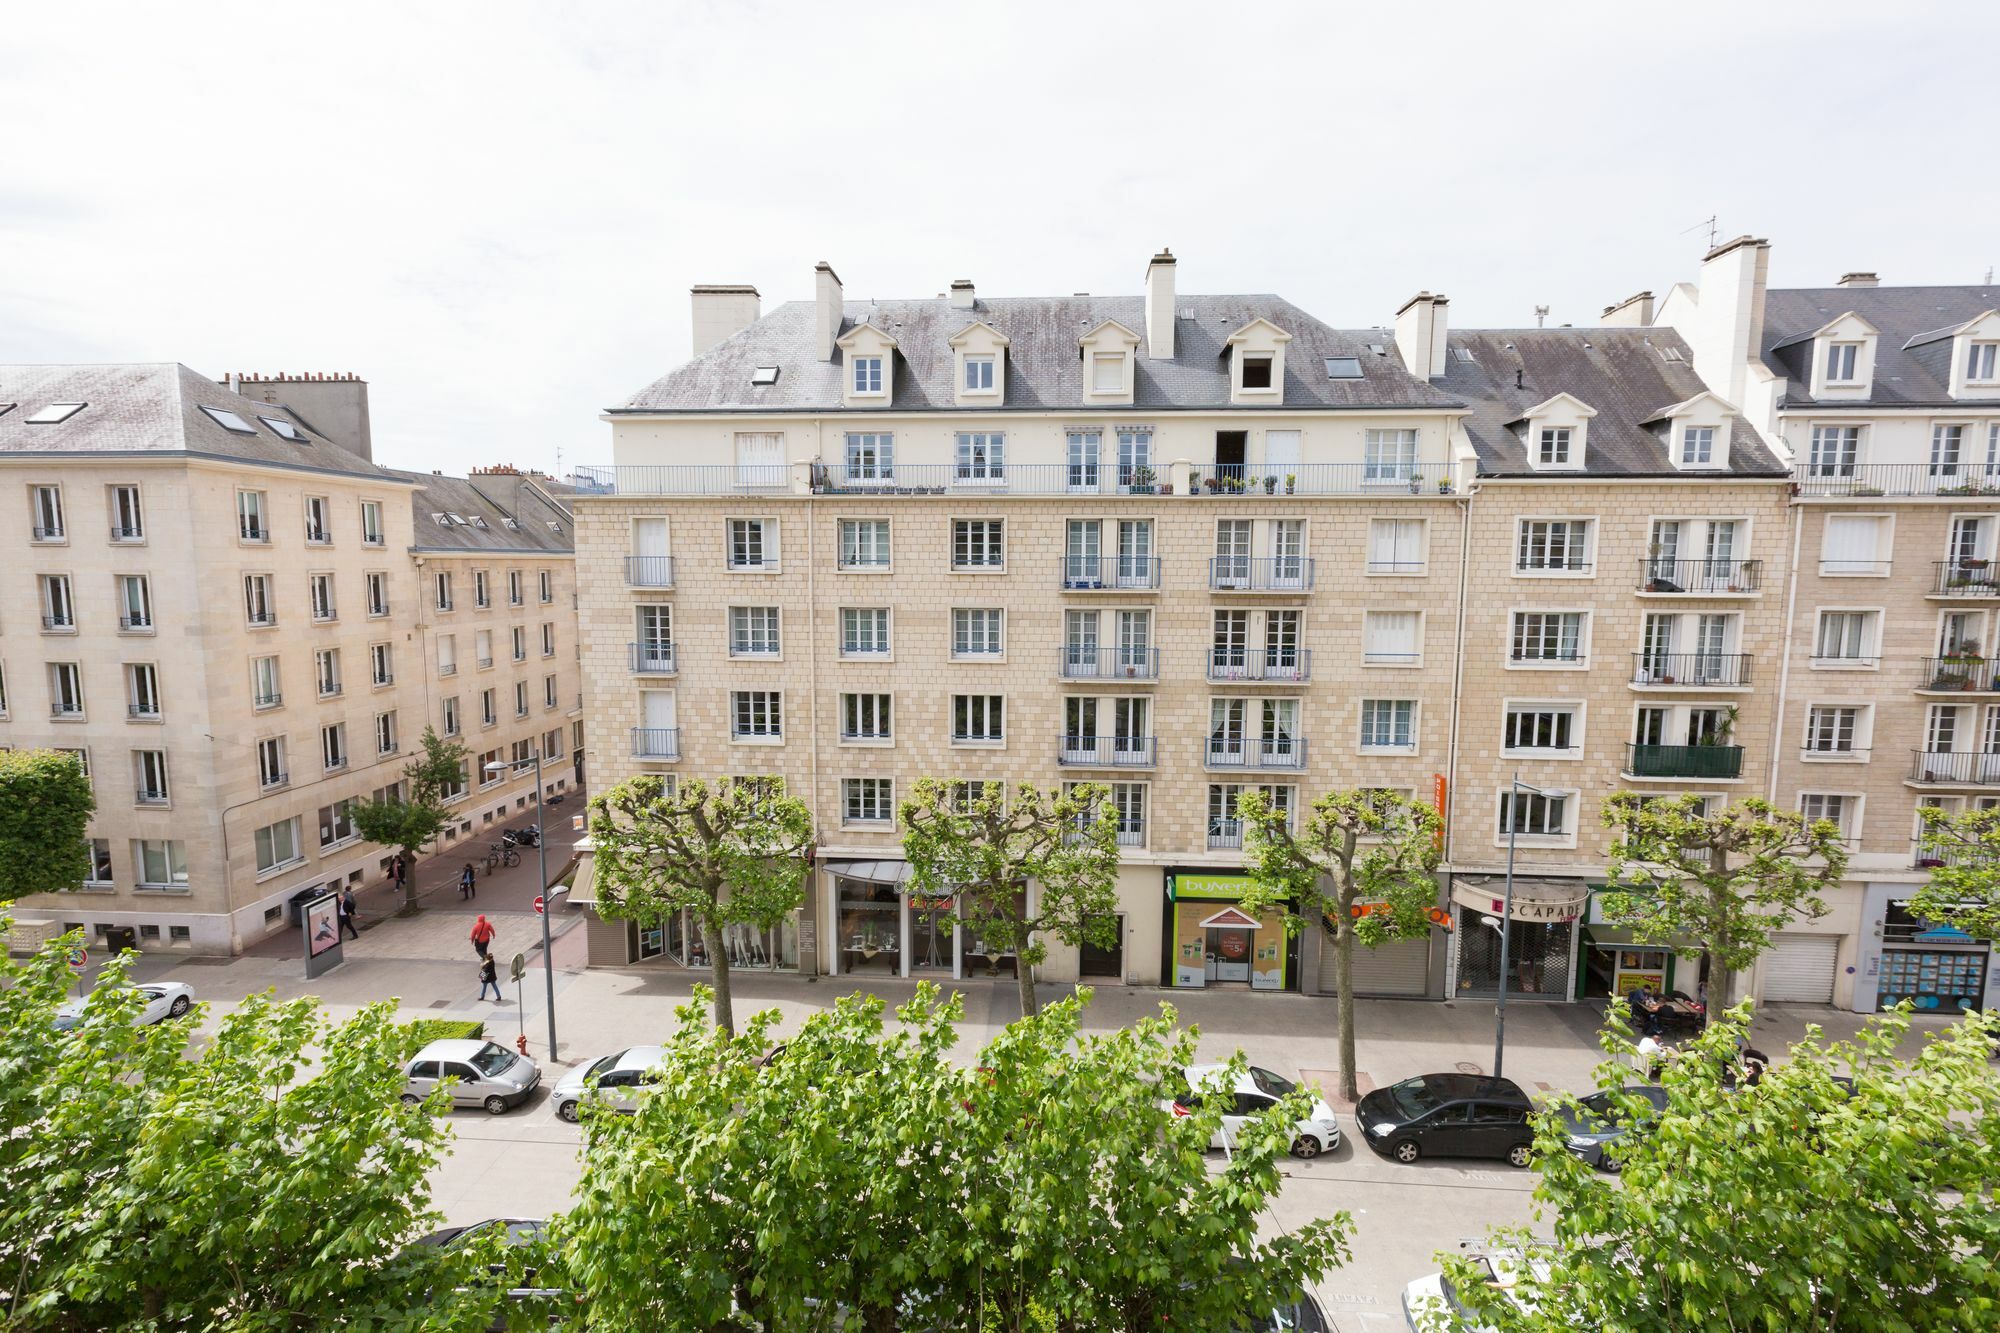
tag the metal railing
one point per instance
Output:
(262, 619)
(1106, 751)
(1090, 478)
(53, 623)
(267, 700)
(142, 710)
(1290, 666)
(1225, 834)
(1132, 837)
(655, 658)
(1929, 856)
(447, 668)
(270, 780)
(135, 622)
(649, 571)
(1082, 662)
(1865, 480)
(1691, 670)
(485, 663)
(1971, 767)
(1242, 573)
(656, 742)
(1110, 573)
(48, 534)
(1965, 578)
(121, 533)
(1971, 675)
(1659, 574)
(1251, 752)
(385, 678)
(1684, 761)
(149, 796)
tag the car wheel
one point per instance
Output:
(179, 1007)
(1521, 1154)
(1305, 1147)
(1406, 1151)
(1610, 1165)
(567, 1110)
(496, 1105)
(411, 1099)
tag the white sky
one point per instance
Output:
(493, 212)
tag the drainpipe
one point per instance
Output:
(1785, 655)
(812, 670)
(1457, 665)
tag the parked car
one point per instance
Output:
(1448, 1115)
(1433, 1305)
(619, 1078)
(488, 1074)
(1257, 1091)
(1299, 1316)
(1597, 1122)
(163, 1000)
(513, 1232)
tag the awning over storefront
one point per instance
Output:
(875, 872)
(1534, 899)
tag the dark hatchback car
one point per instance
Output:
(1448, 1115)
(1599, 1122)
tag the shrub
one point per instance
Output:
(421, 1032)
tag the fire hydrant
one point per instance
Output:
(521, 1043)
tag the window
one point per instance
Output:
(978, 374)
(264, 692)
(867, 374)
(1542, 728)
(142, 690)
(552, 744)
(442, 600)
(320, 589)
(977, 717)
(1107, 372)
(978, 543)
(65, 689)
(547, 589)
(549, 638)
(753, 631)
(278, 845)
(1553, 545)
(250, 525)
(127, 524)
(1833, 451)
(548, 691)
(1396, 546)
(333, 746)
(82, 758)
(46, 502)
(1947, 443)
(336, 824)
(752, 544)
(489, 712)
(520, 698)
(378, 593)
(1135, 457)
(447, 654)
(519, 635)
(1256, 372)
(1343, 367)
(982, 456)
(482, 594)
(871, 456)
(864, 543)
(488, 776)
(372, 532)
(1698, 446)
(1855, 546)
(54, 414)
(1832, 729)
(864, 631)
(864, 717)
(1840, 361)
(454, 790)
(755, 715)
(976, 632)
(319, 530)
(867, 800)
(1128, 802)
(1388, 724)
(100, 862)
(1534, 814)
(162, 862)
(271, 761)
(764, 376)
(482, 647)
(514, 594)
(1838, 810)
(326, 670)
(1392, 638)
(149, 776)
(385, 733)
(1980, 359)
(3, 691)
(449, 716)
(58, 606)
(229, 421)
(1548, 636)
(1845, 637)
(1388, 455)
(1552, 446)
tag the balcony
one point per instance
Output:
(656, 742)
(1088, 662)
(649, 571)
(1225, 834)
(1275, 752)
(1707, 763)
(60, 624)
(49, 534)
(271, 700)
(1700, 578)
(1240, 573)
(1834, 481)
(485, 664)
(1132, 837)
(1960, 675)
(447, 668)
(1221, 480)
(121, 533)
(1965, 578)
(143, 712)
(134, 624)
(1691, 671)
(149, 796)
(1929, 856)
(652, 658)
(1279, 666)
(1110, 573)
(1964, 768)
(1105, 752)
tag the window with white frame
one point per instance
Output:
(864, 631)
(1107, 372)
(864, 717)
(1392, 638)
(1128, 802)
(149, 777)
(548, 638)
(753, 543)
(58, 603)
(871, 456)
(127, 520)
(1396, 546)
(100, 872)
(385, 732)
(520, 698)
(1846, 638)
(1534, 814)
(755, 715)
(271, 761)
(753, 631)
(1697, 446)
(1553, 545)
(978, 543)
(867, 374)
(519, 635)
(1553, 446)
(336, 824)
(47, 506)
(1388, 724)
(1135, 455)
(514, 593)
(546, 581)
(978, 374)
(1837, 729)
(982, 456)
(1548, 636)
(250, 523)
(867, 801)
(976, 632)
(1833, 451)
(978, 717)
(1841, 359)
(448, 715)
(82, 758)
(3, 689)
(259, 606)
(1543, 728)
(864, 543)
(135, 602)
(264, 691)
(319, 522)
(1836, 808)
(442, 601)
(1855, 546)
(1947, 449)
(65, 689)
(482, 589)
(1980, 361)
(320, 588)
(372, 531)
(326, 670)
(489, 710)
(333, 746)
(142, 689)
(278, 845)
(1388, 455)
(162, 862)
(378, 593)
(548, 691)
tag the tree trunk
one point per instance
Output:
(1343, 989)
(718, 972)
(1024, 978)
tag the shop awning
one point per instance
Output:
(1534, 899)
(876, 872)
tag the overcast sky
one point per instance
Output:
(493, 212)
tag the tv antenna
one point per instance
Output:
(1708, 222)
(1541, 315)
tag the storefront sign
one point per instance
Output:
(1438, 791)
(1211, 944)
(1546, 900)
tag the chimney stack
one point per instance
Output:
(1160, 306)
(1421, 330)
(1859, 280)
(1634, 312)
(826, 307)
(961, 294)
(720, 311)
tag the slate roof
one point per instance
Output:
(155, 408)
(489, 499)
(1911, 370)
(1044, 366)
(1618, 371)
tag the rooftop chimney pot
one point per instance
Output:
(962, 297)
(1860, 280)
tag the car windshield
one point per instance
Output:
(602, 1067)
(1298, 1317)
(1270, 1083)
(1450, 1289)
(491, 1059)
(1600, 1109)
(1413, 1097)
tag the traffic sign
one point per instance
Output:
(518, 968)
(540, 904)
(79, 956)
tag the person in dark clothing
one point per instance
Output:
(1645, 1011)
(347, 909)
(468, 882)
(489, 975)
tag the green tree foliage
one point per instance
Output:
(861, 1180)
(1964, 887)
(45, 807)
(1361, 867)
(1786, 1204)
(259, 1183)
(733, 852)
(408, 822)
(1726, 881)
(983, 845)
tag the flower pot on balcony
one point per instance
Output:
(1416, 485)
(1270, 485)
(1291, 483)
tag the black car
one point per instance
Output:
(1448, 1115)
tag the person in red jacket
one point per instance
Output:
(482, 934)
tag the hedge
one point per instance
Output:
(423, 1031)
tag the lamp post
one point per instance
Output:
(1507, 918)
(541, 879)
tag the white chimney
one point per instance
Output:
(720, 311)
(1160, 306)
(826, 307)
(1634, 312)
(1728, 329)
(1859, 280)
(1420, 334)
(961, 294)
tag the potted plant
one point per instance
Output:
(1445, 486)
(1271, 484)
(1142, 480)
(1416, 484)
(1194, 481)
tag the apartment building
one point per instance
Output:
(215, 605)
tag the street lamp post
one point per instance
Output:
(1507, 918)
(541, 879)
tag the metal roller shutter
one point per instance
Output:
(1400, 967)
(1800, 969)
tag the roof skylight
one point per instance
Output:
(764, 375)
(229, 421)
(1343, 367)
(5, 408)
(54, 412)
(286, 430)
(1462, 353)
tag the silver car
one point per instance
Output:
(161, 1000)
(619, 1076)
(488, 1074)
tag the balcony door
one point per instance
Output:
(1225, 730)
(1135, 550)
(1135, 641)
(1084, 447)
(1288, 553)
(1280, 738)
(1232, 553)
(1080, 730)
(660, 718)
(1129, 735)
(760, 458)
(1080, 641)
(1281, 643)
(1084, 544)
(1230, 644)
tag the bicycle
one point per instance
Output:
(501, 856)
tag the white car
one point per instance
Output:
(1431, 1304)
(163, 1000)
(1257, 1091)
(619, 1079)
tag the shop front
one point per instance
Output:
(1939, 969)
(674, 939)
(1543, 934)
(885, 927)
(1212, 941)
(1615, 963)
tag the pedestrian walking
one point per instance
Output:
(482, 934)
(489, 975)
(468, 879)
(346, 909)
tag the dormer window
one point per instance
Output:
(1552, 447)
(1109, 352)
(1107, 372)
(978, 374)
(1842, 359)
(1982, 361)
(1256, 372)
(1257, 363)
(1698, 446)
(870, 375)
(867, 374)
(1555, 434)
(1695, 433)
(981, 350)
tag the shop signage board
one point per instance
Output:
(1227, 945)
